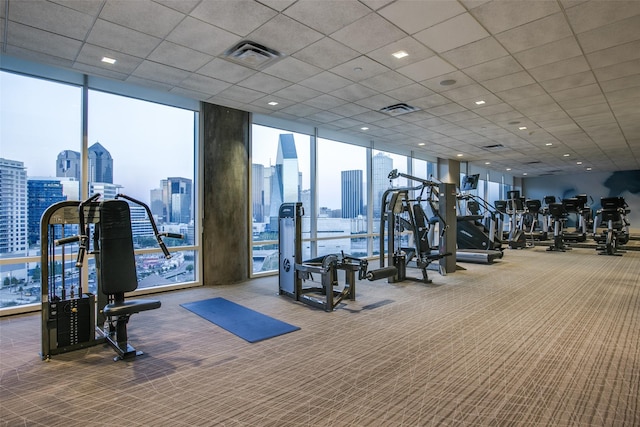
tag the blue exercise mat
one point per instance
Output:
(241, 321)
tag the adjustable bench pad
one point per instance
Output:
(130, 307)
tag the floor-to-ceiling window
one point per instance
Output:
(136, 147)
(40, 140)
(280, 173)
(146, 151)
(342, 222)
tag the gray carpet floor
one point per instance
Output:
(538, 338)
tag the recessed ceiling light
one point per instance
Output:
(400, 54)
(447, 82)
(578, 163)
(487, 163)
(588, 169)
(459, 155)
(508, 169)
(522, 128)
(549, 144)
(480, 102)
(421, 144)
(108, 60)
(364, 128)
(273, 103)
(524, 173)
(565, 155)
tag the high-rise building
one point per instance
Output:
(13, 206)
(100, 164)
(381, 165)
(156, 205)
(257, 192)
(285, 182)
(68, 164)
(351, 186)
(177, 196)
(41, 193)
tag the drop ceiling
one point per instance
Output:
(538, 87)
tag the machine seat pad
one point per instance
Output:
(130, 307)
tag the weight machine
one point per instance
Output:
(401, 213)
(296, 277)
(72, 316)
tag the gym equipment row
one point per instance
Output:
(525, 227)
(72, 317)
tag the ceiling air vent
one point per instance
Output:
(492, 147)
(252, 55)
(532, 162)
(398, 109)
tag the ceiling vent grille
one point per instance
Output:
(492, 147)
(534, 162)
(252, 55)
(398, 109)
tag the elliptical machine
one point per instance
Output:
(613, 214)
(558, 214)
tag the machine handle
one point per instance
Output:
(66, 240)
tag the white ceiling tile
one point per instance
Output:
(508, 82)
(224, 14)
(413, 16)
(360, 68)
(135, 15)
(416, 50)
(354, 92)
(559, 69)
(614, 55)
(386, 82)
(617, 71)
(548, 53)
(498, 16)
(610, 35)
(368, 33)
(297, 93)
(203, 37)
(492, 69)
(326, 102)
(325, 82)
(264, 83)
(271, 35)
(475, 53)
(178, 56)
(521, 92)
(426, 69)
(226, 71)
(291, 69)
(43, 41)
(51, 17)
(326, 53)
(204, 84)
(241, 94)
(536, 33)
(327, 16)
(453, 33)
(91, 55)
(570, 81)
(591, 15)
(122, 39)
(409, 92)
(160, 73)
(184, 6)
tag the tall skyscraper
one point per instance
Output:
(100, 164)
(285, 182)
(177, 196)
(381, 166)
(41, 193)
(257, 192)
(351, 185)
(13, 206)
(68, 164)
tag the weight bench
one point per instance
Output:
(115, 262)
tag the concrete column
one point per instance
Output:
(225, 223)
(449, 171)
